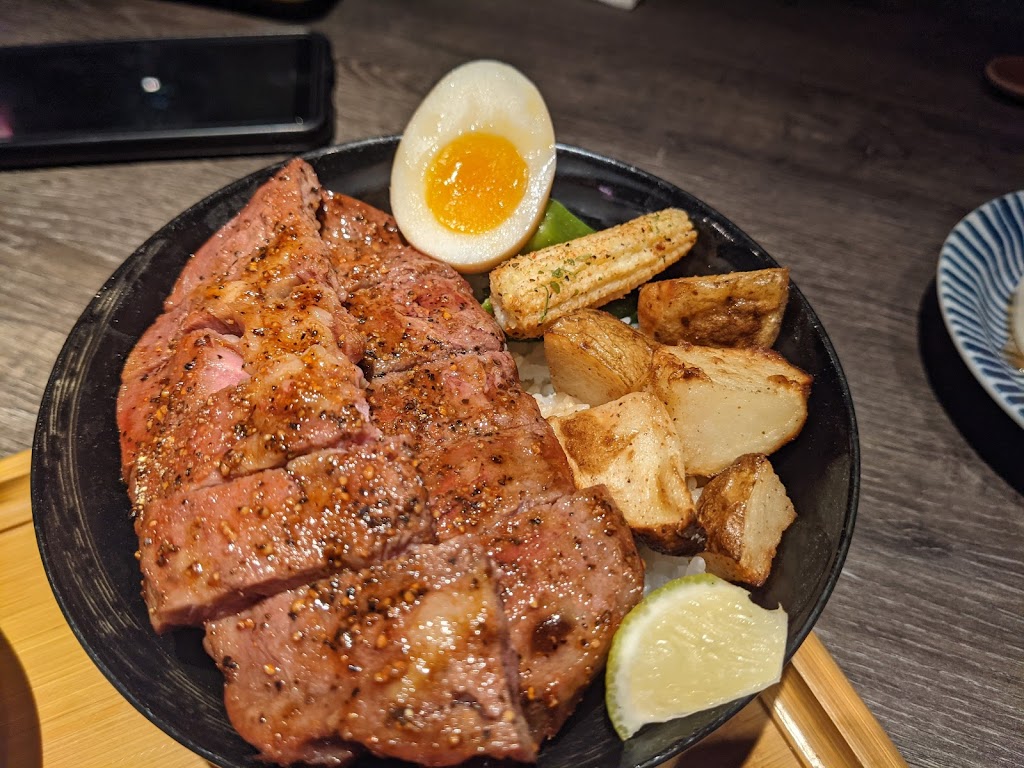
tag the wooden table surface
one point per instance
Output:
(847, 139)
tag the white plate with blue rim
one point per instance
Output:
(980, 266)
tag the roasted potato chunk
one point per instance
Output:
(728, 402)
(595, 357)
(744, 511)
(737, 309)
(628, 445)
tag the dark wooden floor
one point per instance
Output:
(846, 138)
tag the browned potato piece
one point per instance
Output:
(744, 511)
(739, 309)
(728, 402)
(595, 357)
(628, 446)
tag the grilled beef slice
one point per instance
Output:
(568, 572)
(566, 589)
(286, 203)
(420, 313)
(290, 406)
(201, 364)
(364, 241)
(279, 221)
(475, 482)
(212, 551)
(444, 400)
(284, 379)
(407, 659)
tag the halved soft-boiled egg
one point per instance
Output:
(474, 168)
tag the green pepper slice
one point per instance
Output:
(558, 225)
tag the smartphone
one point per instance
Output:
(161, 98)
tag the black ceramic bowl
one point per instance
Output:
(81, 509)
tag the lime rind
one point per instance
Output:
(694, 643)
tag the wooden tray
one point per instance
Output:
(57, 709)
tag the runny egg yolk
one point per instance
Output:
(475, 182)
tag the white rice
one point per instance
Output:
(696, 486)
(660, 569)
(536, 379)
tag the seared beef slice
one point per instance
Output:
(279, 222)
(408, 659)
(290, 406)
(363, 240)
(442, 401)
(569, 572)
(475, 482)
(286, 203)
(419, 312)
(211, 551)
(284, 381)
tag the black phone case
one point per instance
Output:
(191, 143)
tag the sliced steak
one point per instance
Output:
(288, 407)
(286, 316)
(569, 572)
(300, 403)
(419, 313)
(287, 203)
(317, 398)
(212, 551)
(152, 402)
(244, 311)
(363, 240)
(408, 659)
(451, 398)
(151, 351)
(475, 482)
(366, 246)
(261, 290)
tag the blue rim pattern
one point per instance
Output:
(980, 265)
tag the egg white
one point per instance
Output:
(481, 96)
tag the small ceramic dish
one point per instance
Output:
(980, 267)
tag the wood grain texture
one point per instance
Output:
(847, 139)
(57, 709)
(816, 710)
(14, 489)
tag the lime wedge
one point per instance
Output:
(695, 643)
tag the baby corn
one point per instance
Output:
(532, 290)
